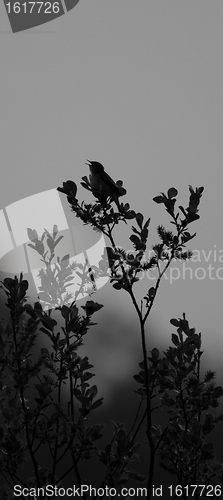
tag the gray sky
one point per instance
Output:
(137, 86)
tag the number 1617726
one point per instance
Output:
(33, 7)
(195, 490)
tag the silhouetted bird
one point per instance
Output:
(102, 184)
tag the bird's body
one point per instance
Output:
(102, 184)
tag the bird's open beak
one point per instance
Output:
(88, 163)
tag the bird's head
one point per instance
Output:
(95, 166)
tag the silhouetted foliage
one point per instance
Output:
(35, 412)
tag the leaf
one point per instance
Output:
(32, 234)
(138, 244)
(55, 231)
(139, 219)
(96, 404)
(174, 322)
(151, 292)
(85, 179)
(126, 206)
(130, 215)
(121, 435)
(122, 190)
(65, 311)
(48, 322)
(91, 307)
(208, 424)
(155, 354)
(147, 223)
(87, 376)
(50, 243)
(39, 247)
(24, 286)
(86, 186)
(95, 431)
(8, 283)
(69, 188)
(58, 240)
(93, 391)
(172, 192)
(183, 210)
(175, 339)
(158, 199)
(135, 239)
(218, 392)
(31, 246)
(139, 379)
(65, 257)
(117, 286)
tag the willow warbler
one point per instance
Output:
(102, 184)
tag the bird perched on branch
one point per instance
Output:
(102, 184)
